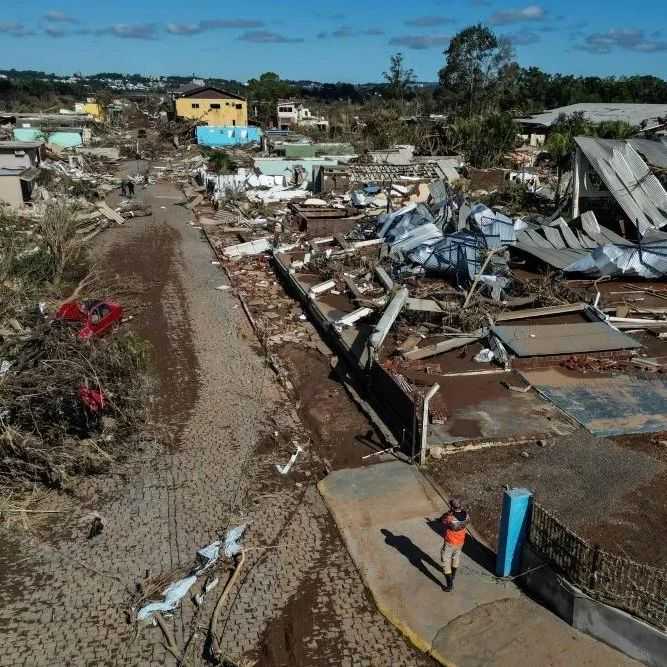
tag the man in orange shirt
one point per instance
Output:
(455, 522)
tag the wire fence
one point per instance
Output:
(620, 582)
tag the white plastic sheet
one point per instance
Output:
(172, 596)
(207, 556)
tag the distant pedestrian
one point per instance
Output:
(130, 189)
(123, 188)
(454, 523)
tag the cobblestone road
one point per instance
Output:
(299, 601)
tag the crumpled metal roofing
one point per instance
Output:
(496, 227)
(629, 180)
(611, 255)
(648, 259)
(653, 151)
(459, 252)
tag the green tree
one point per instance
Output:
(484, 140)
(264, 93)
(615, 129)
(399, 78)
(475, 59)
(559, 145)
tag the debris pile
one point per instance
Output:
(68, 408)
(417, 285)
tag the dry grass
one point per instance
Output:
(58, 230)
(33, 509)
(47, 434)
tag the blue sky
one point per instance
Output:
(326, 41)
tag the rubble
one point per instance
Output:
(407, 275)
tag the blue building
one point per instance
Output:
(223, 135)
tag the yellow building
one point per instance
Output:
(213, 106)
(93, 108)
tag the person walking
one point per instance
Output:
(130, 189)
(123, 188)
(454, 523)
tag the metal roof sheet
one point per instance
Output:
(597, 112)
(547, 339)
(629, 180)
(558, 258)
(654, 152)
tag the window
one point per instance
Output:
(234, 123)
(195, 106)
(239, 106)
(214, 106)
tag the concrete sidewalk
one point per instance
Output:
(388, 515)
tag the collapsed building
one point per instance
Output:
(465, 326)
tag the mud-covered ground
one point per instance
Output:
(610, 491)
(299, 600)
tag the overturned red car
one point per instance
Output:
(97, 317)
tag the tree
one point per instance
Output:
(399, 78)
(475, 58)
(615, 129)
(559, 145)
(484, 140)
(265, 92)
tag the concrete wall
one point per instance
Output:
(272, 166)
(62, 139)
(28, 134)
(210, 135)
(315, 150)
(10, 191)
(9, 160)
(65, 139)
(231, 112)
(607, 624)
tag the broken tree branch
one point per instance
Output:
(216, 651)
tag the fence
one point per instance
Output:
(620, 582)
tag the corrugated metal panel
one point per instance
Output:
(554, 237)
(586, 241)
(629, 181)
(548, 339)
(559, 259)
(570, 239)
(532, 237)
(655, 152)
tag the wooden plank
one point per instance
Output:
(354, 290)
(423, 305)
(439, 348)
(109, 213)
(342, 242)
(384, 278)
(542, 312)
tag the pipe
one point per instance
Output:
(427, 399)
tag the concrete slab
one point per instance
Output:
(388, 517)
(383, 512)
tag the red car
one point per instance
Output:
(97, 316)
